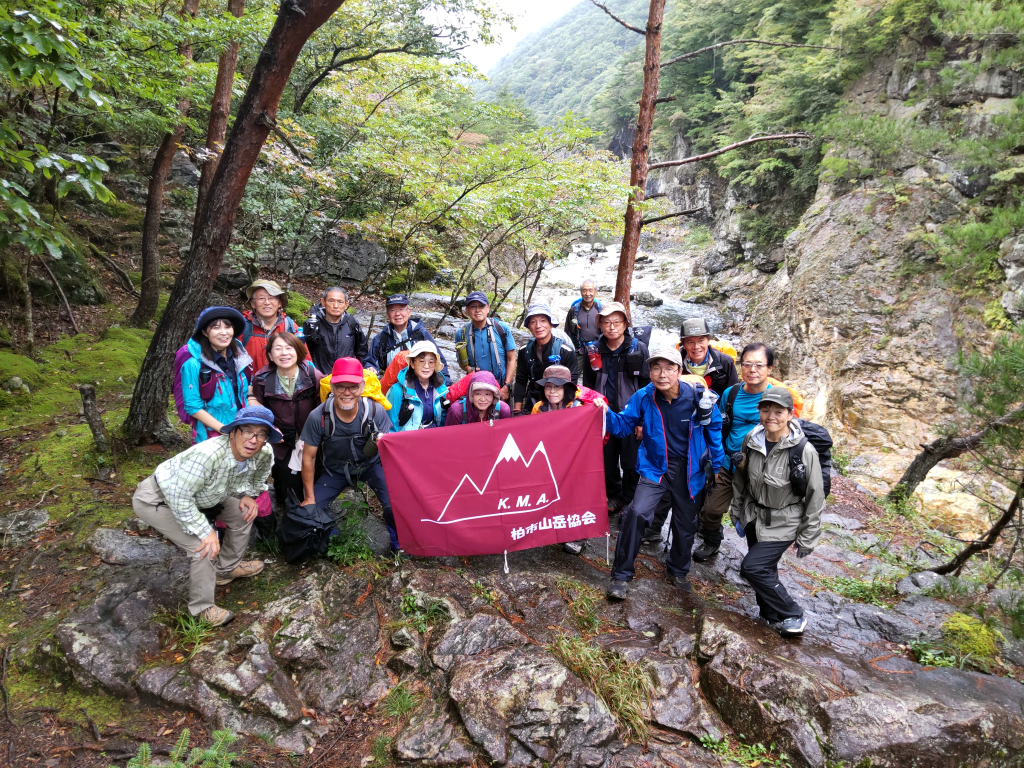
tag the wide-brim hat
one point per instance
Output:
(539, 309)
(210, 314)
(556, 374)
(421, 347)
(270, 286)
(695, 326)
(611, 308)
(257, 416)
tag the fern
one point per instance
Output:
(214, 756)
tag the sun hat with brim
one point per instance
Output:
(269, 286)
(671, 354)
(210, 314)
(347, 370)
(256, 416)
(556, 374)
(421, 347)
(611, 308)
(539, 309)
(779, 396)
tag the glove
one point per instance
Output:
(803, 551)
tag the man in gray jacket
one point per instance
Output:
(775, 507)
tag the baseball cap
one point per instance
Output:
(612, 307)
(667, 353)
(395, 299)
(477, 296)
(347, 370)
(539, 309)
(779, 396)
(695, 326)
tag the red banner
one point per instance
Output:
(483, 489)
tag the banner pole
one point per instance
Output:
(506, 561)
(607, 541)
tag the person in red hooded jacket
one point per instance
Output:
(266, 317)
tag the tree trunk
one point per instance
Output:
(641, 148)
(93, 418)
(296, 21)
(149, 290)
(220, 110)
(957, 563)
(26, 298)
(941, 449)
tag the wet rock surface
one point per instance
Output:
(118, 548)
(18, 528)
(471, 646)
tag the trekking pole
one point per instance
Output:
(607, 542)
(506, 561)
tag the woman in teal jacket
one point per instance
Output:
(417, 398)
(215, 379)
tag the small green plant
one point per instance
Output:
(750, 755)
(1014, 612)
(877, 592)
(381, 750)
(348, 545)
(485, 593)
(929, 656)
(841, 459)
(624, 686)
(970, 636)
(190, 632)
(214, 756)
(400, 701)
(423, 612)
(583, 602)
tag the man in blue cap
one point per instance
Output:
(489, 343)
(217, 479)
(400, 333)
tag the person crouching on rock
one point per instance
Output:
(777, 506)
(682, 440)
(481, 402)
(559, 390)
(217, 479)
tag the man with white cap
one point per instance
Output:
(536, 355)
(267, 301)
(617, 369)
(682, 435)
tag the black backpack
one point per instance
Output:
(305, 530)
(821, 441)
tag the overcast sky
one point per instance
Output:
(530, 15)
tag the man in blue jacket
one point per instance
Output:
(682, 440)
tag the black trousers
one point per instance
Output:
(760, 568)
(621, 451)
(638, 515)
(285, 480)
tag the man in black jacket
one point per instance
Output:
(331, 333)
(717, 369)
(621, 370)
(538, 353)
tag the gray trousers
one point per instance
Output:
(150, 507)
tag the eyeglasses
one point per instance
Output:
(753, 366)
(265, 299)
(613, 323)
(259, 437)
(347, 388)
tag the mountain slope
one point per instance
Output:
(562, 66)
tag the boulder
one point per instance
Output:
(646, 299)
(118, 548)
(434, 737)
(479, 634)
(523, 707)
(17, 528)
(183, 171)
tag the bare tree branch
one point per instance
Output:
(730, 148)
(652, 219)
(958, 562)
(627, 26)
(268, 121)
(751, 41)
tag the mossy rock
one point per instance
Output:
(25, 368)
(970, 636)
(298, 307)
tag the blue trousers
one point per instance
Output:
(639, 514)
(329, 487)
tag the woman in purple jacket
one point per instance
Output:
(481, 402)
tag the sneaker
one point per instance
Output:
(681, 582)
(574, 547)
(244, 570)
(706, 551)
(216, 617)
(792, 627)
(617, 590)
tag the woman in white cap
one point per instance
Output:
(417, 398)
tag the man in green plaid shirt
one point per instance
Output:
(217, 479)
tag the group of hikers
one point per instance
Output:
(688, 435)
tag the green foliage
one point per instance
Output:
(927, 655)
(766, 229)
(583, 601)
(298, 307)
(624, 686)
(876, 592)
(750, 755)
(214, 756)
(1014, 612)
(349, 545)
(400, 701)
(381, 750)
(423, 612)
(190, 632)
(970, 636)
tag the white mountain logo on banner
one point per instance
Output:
(525, 486)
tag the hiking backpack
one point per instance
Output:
(304, 531)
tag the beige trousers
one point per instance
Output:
(150, 507)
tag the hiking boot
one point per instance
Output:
(574, 547)
(792, 627)
(216, 617)
(616, 504)
(244, 570)
(711, 542)
(651, 536)
(617, 590)
(682, 583)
